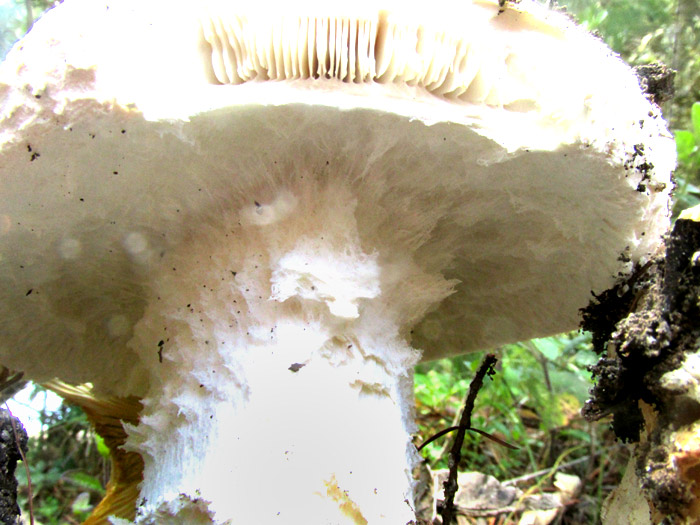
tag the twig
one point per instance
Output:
(494, 438)
(10, 385)
(450, 485)
(546, 471)
(487, 513)
(7, 380)
(24, 461)
(478, 431)
(545, 371)
(554, 468)
(434, 437)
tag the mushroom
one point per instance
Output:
(258, 220)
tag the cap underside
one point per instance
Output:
(521, 192)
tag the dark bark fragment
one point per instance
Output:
(657, 81)
(9, 455)
(644, 328)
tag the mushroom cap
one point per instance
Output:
(509, 152)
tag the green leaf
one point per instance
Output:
(685, 144)
(695, 118)
(81, 504)
(577, 434)
(85, 481)
(102, 448)
(549, 347)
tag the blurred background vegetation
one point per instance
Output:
(534, 400)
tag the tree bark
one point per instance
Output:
(647, 329)
(12, 436)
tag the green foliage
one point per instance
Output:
(630, 28)
(688, 147)
(102, 447)
(84, 481)
(67, 470)
(81, 506)
(538, 390)
(533, 402)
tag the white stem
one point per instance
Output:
(284, 394)
(328, 443)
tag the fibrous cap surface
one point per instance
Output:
(510, 153)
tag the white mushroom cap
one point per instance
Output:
(223, 184)
(192, 195)
(505, 152)
(514, 156)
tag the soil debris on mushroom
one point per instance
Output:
(647, 330)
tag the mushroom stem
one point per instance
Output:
(281, 390)
(329, 443)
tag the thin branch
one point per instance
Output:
(7, 380)
(10, 384)
(545, 371)
(472, 429)
(24, 461)
(556, 467)
(435, 437)
(451, 486)
(546, 471)
(487, 513)
(493, 438)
